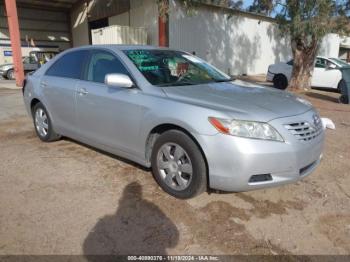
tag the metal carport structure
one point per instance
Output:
(14, 29)
(11, 7)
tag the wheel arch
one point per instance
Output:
(33, 102)
(160, 129)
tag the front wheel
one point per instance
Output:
(43, 124)
(178, 165)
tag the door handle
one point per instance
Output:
(82, 91)
(43, 84)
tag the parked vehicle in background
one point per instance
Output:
(30, 63)
(325, 74)
(339, 62)
(170, 110)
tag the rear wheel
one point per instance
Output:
(43, 125)
(178, 165)
(10, 74)
(280, 81)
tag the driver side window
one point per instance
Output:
(102, 63)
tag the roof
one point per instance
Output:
(120, 47)
(224, 4)
(57, 4)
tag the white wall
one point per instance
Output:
(121, 19)
(79, 25)
(236, 45)
(330, 46)
(143, 13)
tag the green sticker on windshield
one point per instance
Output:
(143, 59)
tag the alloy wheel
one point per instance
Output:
(174, 166)
(41, 122)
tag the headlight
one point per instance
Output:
(248, 129)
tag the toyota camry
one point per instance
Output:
(193, 125)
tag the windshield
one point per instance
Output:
(339, 62)
(167, 68)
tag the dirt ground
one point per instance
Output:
(66, 198)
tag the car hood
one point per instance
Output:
(241, 100)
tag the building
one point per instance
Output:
(237, 42)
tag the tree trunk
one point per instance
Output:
(303, 64)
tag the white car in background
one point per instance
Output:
(325, 75)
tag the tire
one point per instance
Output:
(43, 125)
(343, 90)
(10, 74)
(344, 99)
(340, 85)
(181, 171)
(280, 81)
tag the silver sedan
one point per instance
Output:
(192, 124)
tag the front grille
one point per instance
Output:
(304, 131)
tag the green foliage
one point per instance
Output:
(306, 20)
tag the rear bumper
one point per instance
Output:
(3, 73)
(232, 161)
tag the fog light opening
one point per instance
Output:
(260, 178)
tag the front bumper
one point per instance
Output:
(232, 161)
(269, 76)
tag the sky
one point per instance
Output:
(247, 3)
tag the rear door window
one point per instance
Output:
(70, 65)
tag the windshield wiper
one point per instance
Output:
(224, 80)
(178, 84)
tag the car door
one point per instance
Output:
(59, 88)
(323, 75)
(109, 116)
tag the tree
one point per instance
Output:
(306, 22)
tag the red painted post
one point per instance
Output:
(12, 20)
(162, 24)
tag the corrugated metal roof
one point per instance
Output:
(62, 4)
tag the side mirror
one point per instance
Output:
(118, 80)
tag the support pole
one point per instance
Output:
(162, 26)
(163, 23)
(12, 20)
